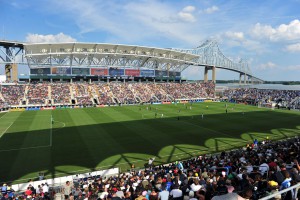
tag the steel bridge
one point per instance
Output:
(211, 57)
(39, 55)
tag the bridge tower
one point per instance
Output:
(246, 78)
(11, 72)
(9, 51)
(213, 73)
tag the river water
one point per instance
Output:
(262, 86)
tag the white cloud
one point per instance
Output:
(292, 68)
(235, 35)
(266, 66)
(283, 32)
(133, 21)
(189, 9)
(293, 47)
(210, 10)
(185, 16)
(60, 37)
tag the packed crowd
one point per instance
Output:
(60, 93)
(13, 94)
(252, 172)
(2, 103)
(123, 93)
(104, 93)
(81, 93)
(37, 93)
(264, 95)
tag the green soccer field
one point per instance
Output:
(88, 139)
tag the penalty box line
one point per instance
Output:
(26, 148)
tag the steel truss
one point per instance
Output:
(209, 54)
(106, 55)
(11, 52)
(47, 55)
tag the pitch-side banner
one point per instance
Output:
(40, 71)
(116, 72)
(61, 70)
(132, 72)
(147, 73)
(81, 71)
(99, 71)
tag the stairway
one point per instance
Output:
(71, 92)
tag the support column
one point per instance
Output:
(240, 82)
(205, 74)
(214, 74)
(8, 72)
(245, 81)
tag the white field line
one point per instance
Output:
(3, 115)
(6, 130)
(26, 116)
(64, 124)
(25, 148)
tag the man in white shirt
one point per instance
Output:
(176, 192)
(45, 188)
(195, 186)
(264, 167)
(164, 194)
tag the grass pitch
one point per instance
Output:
(88, 139)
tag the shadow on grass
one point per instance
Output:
(112, 144)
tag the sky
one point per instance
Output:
(264, 33)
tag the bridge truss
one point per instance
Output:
(35, 55)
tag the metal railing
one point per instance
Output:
(296, 187)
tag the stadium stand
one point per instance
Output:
(81, 92)
(102, 94)
(13, 94)
(257, 170)
(283, 98)
(46, 94)
(60, 93)
(252, 172)
(37, 93)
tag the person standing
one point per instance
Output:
(67, 189)
(164, 194)
(150, 162)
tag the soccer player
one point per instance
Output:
(202, 116)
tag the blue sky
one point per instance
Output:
(265, 33)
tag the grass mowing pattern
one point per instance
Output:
(93, 138)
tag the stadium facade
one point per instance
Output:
(104, 62)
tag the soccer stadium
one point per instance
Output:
(109, 121)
